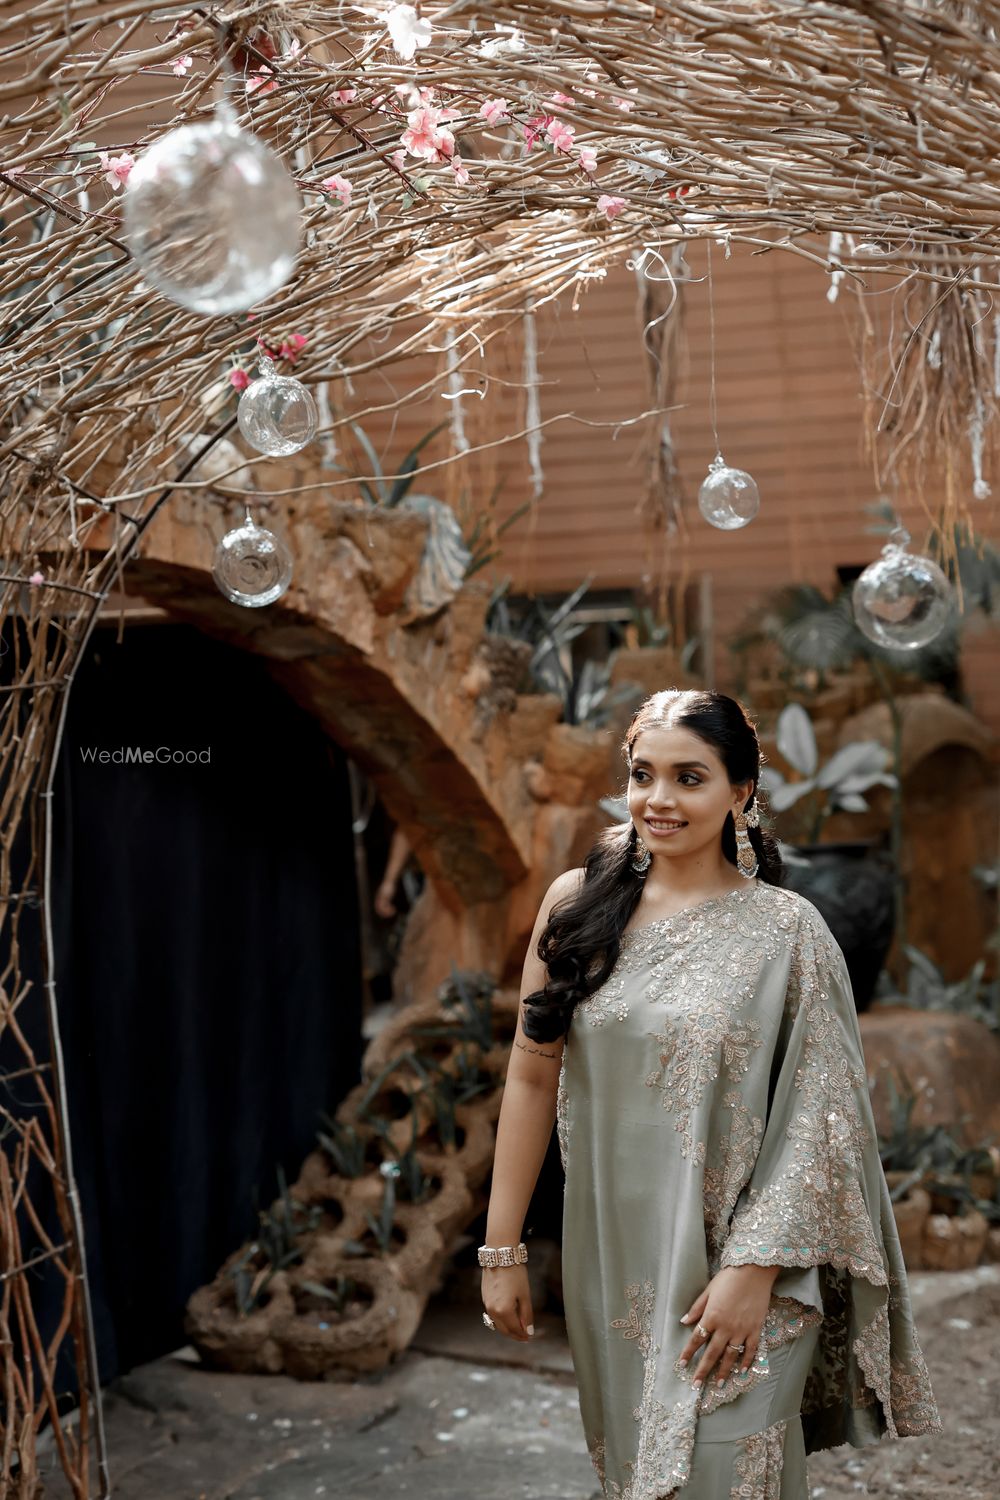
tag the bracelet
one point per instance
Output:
(503, 1255)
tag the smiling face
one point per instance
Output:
(679, 791)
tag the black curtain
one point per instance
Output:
(207, 962)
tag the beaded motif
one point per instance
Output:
(760, 1464)
(562, 1112)
(666, 1435)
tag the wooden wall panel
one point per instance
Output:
(789, 409)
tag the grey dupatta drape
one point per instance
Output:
(713, 1110)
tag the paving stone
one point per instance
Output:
(467, 1415)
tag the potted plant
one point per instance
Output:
(851, 883)
(234, 1321)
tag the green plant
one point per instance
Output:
(482, 536)
(412, 1182)
(389, 489)
(409, 1058)
(468, 997)
(382, 1226)
(344, 1145)
(927, 989)
(277, 1244)
(585, 690)
(442, 1097)
(468, 1079)
(931, 1157)
(839, 785)
(338, 1295)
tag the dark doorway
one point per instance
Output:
(207, 961)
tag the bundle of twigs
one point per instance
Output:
(456, 164)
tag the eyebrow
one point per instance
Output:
(679, 765)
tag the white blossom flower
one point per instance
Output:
(407, 30)
(508, 40)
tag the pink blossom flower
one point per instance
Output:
(239, 379)
(411, 96)
(293, 347)
(345, 96)
(560, 99)
(425, 136)
(560, 134)
(449, 112)
(338, 187)
(116, 168)
(36, 580)
(264, 80)
(180, 65)
(460, 170)
(398, 158)
(624, 104)
(609, 205)
(495, 111)
(534, 128)
(588, 158)
(407, 30)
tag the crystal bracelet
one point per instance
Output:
(503, 1255)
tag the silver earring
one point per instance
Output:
(642, 859)
(746, 858)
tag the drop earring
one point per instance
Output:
(746, 858)
(641, 858)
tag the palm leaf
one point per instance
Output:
(409, 466)
(373, 460)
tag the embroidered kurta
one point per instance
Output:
(713, 1110)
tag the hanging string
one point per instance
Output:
(713, 407)
(532, 414)
(456, 385)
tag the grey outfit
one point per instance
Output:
(713, 1110)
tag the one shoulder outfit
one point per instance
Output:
(713, 1111)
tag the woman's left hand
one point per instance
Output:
(732, 1309)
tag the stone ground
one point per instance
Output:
(465, 1413)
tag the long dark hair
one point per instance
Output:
(580, 943)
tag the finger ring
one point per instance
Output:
(703, 1331)
(738, 1347)
(488, 1320)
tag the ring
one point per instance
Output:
(703, 1331)
(488, 1320)
(738, 1347)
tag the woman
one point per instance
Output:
(734, 1290)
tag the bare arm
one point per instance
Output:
(528, 1109)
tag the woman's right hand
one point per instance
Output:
(507, 1299)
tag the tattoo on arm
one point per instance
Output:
(537, 1050)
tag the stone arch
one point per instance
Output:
(426, 704)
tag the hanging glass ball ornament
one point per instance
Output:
(252, 566)
(212, 216)
(728, 498)
(902, 601)
(277, 414)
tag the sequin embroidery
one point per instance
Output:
(759, 1466)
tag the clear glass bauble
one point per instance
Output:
(212, 216)
(251, 565)
(728, 498)
(277, 414)
(902, 601)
